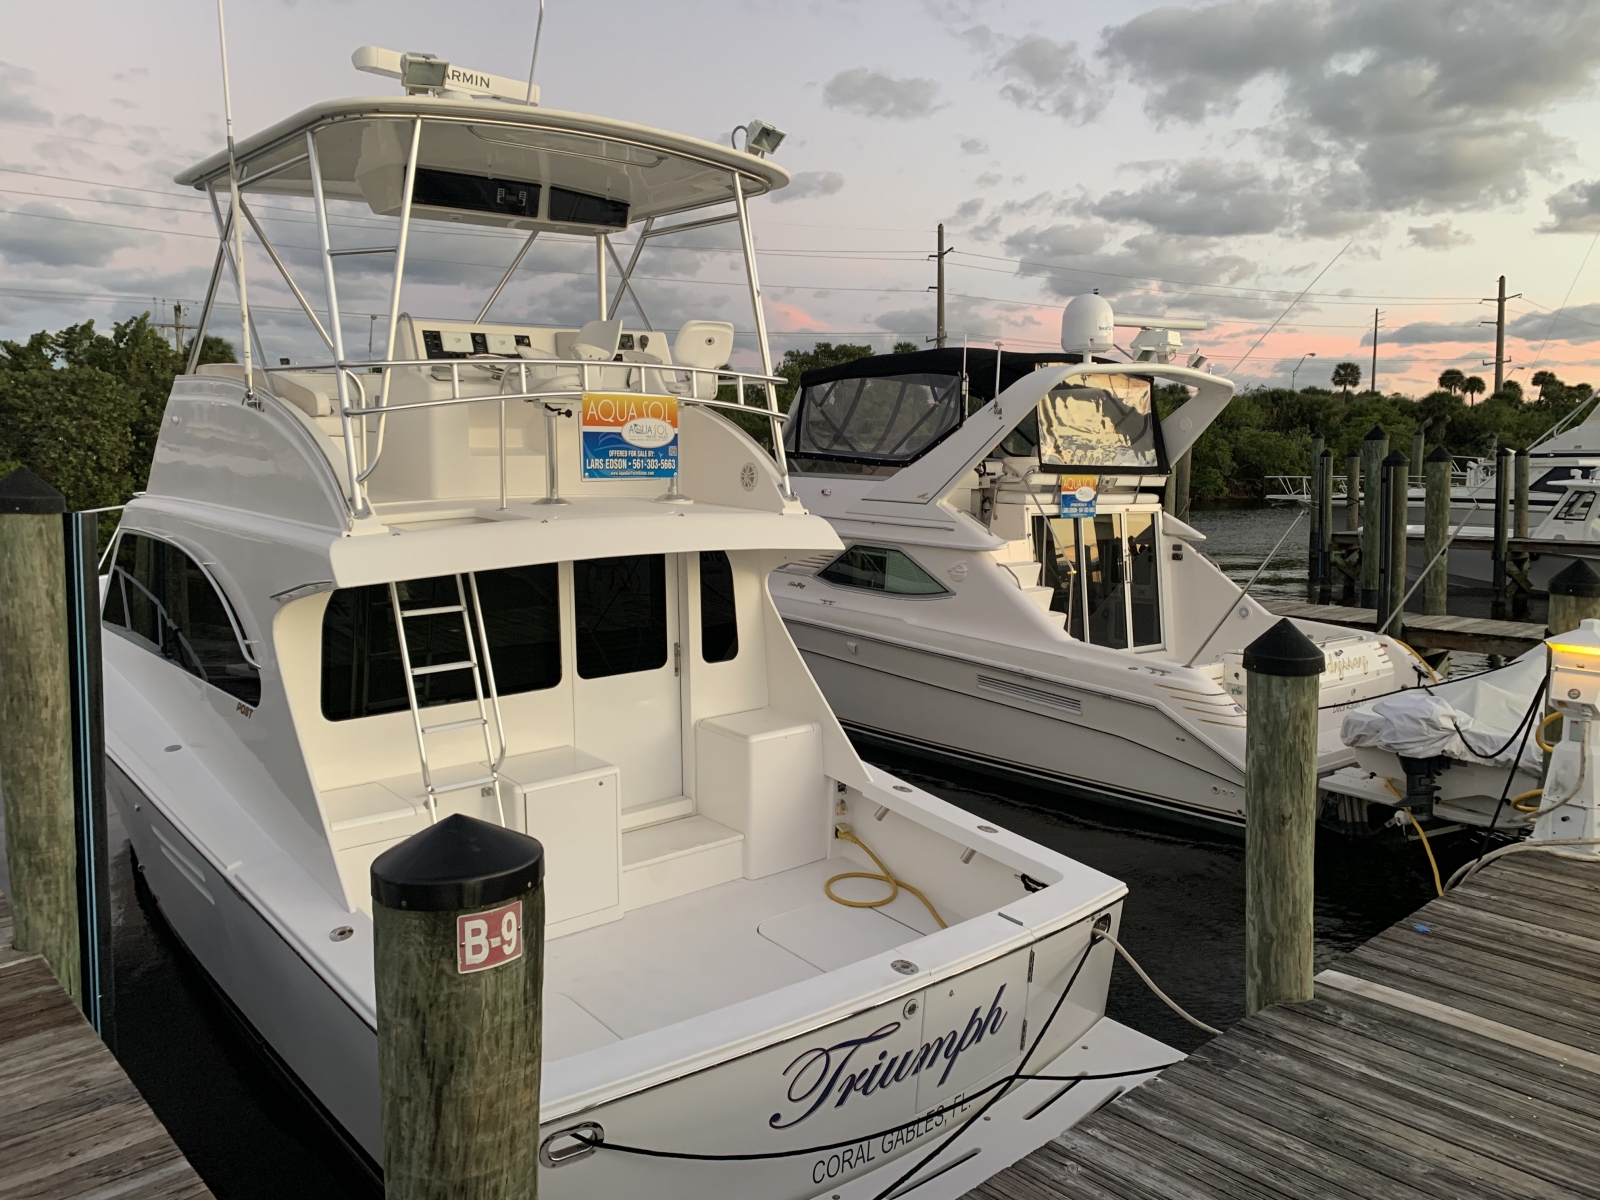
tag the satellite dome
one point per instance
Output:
(1086, 325)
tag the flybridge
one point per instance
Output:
(424, 73)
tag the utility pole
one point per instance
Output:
(1500, 359)
(1373, 380)
(939, 338)
(177, 326)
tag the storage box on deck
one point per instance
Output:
(760, 772)
(568, 800)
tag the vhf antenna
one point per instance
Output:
(237, 211)
(538, 32)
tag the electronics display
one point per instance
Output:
(451, 189)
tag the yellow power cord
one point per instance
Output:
(1538, 732)
(1438, 884)
(1425, 666)
(1518, 802)
(884, 876)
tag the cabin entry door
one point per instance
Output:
(628, 652)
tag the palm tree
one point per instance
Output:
(1542, 380)
(1451, 380)
(1346, 375)
(1472, 385)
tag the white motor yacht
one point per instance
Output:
(1013, 597)
(516, 570)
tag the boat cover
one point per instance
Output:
(1470, 720)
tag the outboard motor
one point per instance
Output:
(1422, 782)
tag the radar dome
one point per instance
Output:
(1086, 325)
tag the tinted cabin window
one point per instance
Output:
(161, 600)
(1144, 579)
(620, 608)
(719, 625)
(880, 570)
(1100, 551)
(362, 674)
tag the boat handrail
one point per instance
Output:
(503, 368)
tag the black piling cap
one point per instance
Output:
(1440, 454)
(1283, 650)
(460, 863)
(1376, 434)
(1505, 452)
(1576, 579)
(1396, 459)
(24, 492)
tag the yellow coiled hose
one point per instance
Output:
(882, 875)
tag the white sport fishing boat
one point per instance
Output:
(1013, 597)
(585, 659)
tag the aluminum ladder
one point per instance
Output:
(492, 759)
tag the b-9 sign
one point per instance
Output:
(488, 939)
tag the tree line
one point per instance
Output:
(1267, 432)
(81, 409)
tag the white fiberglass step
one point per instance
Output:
(676, 857)
(656, 811)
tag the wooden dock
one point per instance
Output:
(71, 1122)
(1470, 634)
(1472, 538)
(1455, 1055)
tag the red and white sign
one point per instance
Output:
(489, 939)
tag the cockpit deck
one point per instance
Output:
(712, 948)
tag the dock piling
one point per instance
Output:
(1282, 684)
(1502, 532)
(1350, 593)
(36, 727)
(1392, 496)
(1419, 452)
(1574, 597)
(458, 924)
(1436, 532)
(1374, 448)
(1325, 528)
(1517, 561)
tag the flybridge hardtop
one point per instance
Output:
(620, 172)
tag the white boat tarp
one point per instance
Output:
(1468, 720)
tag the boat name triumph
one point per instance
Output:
(829, 1077)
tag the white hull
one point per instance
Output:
(937, 704)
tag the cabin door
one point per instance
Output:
(626, 692)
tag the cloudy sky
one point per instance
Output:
(1212, 160)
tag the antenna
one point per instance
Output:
(238, 225)
(538, 32)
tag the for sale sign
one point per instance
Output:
(489, 939)
(629, 436)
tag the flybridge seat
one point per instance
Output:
(704, 345)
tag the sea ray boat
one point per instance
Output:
(516, 570)
(1013, 597)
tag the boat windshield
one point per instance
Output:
(1110, 423)
(886, 420)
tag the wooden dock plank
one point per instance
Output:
(1421, 632)
(1404, 1094)
(71, 1122)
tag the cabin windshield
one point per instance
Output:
(888, 420)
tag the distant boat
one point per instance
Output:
(1012, 596)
